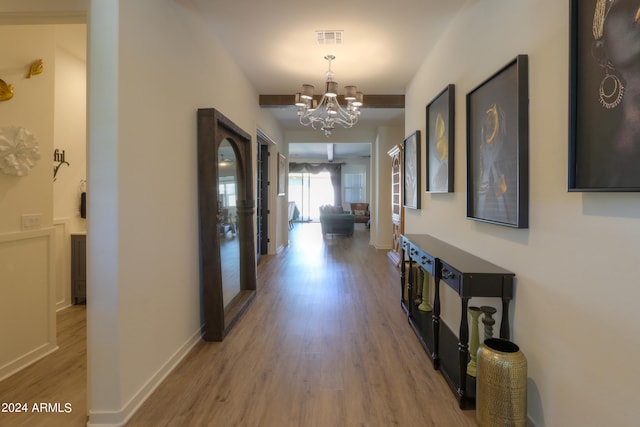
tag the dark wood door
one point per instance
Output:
(262, 200)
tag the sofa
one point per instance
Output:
(361, 212)
(333, 220)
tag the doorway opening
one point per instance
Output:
(309, 192)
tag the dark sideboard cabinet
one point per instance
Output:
(78, 268)
(469, 276)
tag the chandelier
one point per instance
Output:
(324, 115)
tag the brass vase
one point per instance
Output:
(501, 386)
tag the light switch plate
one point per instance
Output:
(30, 221)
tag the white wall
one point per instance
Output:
(70, 118)
(152, 64)
(574, 313)
(388, 137)
(31, 107)
(70, 122)
(27, 300)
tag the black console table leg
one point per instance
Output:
(504, 323)
(411, 276)
(463, 351)
(435, 319)
(403, 277)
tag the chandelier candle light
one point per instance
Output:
(325, 114)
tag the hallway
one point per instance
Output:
(325, 343)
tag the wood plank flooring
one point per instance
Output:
(60, 378)
(324, 343)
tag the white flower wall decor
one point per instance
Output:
(19, 151)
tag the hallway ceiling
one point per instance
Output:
(274, 43)
(384, 43)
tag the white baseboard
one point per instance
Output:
(26, 360)
(121, 417)
(62, 305)
(385, 247)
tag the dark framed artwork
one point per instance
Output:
(498, 147)
(282, 174)
(411, 190)
(440, 141)
(604, 96)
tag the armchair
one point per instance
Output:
(361, 211)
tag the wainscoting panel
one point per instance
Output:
(27, 299)
(62, 263)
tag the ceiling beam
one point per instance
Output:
(370, 101)
(330, 152)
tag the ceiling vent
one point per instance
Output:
(329, 37)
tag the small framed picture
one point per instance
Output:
(498, 147)
(412, 171)
(440, 141)
(282, 174)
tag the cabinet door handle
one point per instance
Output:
(446, 274)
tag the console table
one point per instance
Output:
(469, 276)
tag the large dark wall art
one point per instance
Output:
(498, 147)
(440, 141)
(604, 132)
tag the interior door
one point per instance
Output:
(262, 199)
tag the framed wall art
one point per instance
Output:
(604, 101)
(411, 188)
(440, 141)
(498, 147)
(282, 174)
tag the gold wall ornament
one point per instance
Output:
(6, 91)
(37, 67)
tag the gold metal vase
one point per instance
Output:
(501, 386)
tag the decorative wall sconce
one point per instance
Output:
(58, 156)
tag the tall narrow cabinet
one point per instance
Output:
(78, 268)
(397, 210)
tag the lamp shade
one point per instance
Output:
(332, 89)
(307, 92)
(350, 93)
(359, 100)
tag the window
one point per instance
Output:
(309, 192)
(227, 191)
(354, 186)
